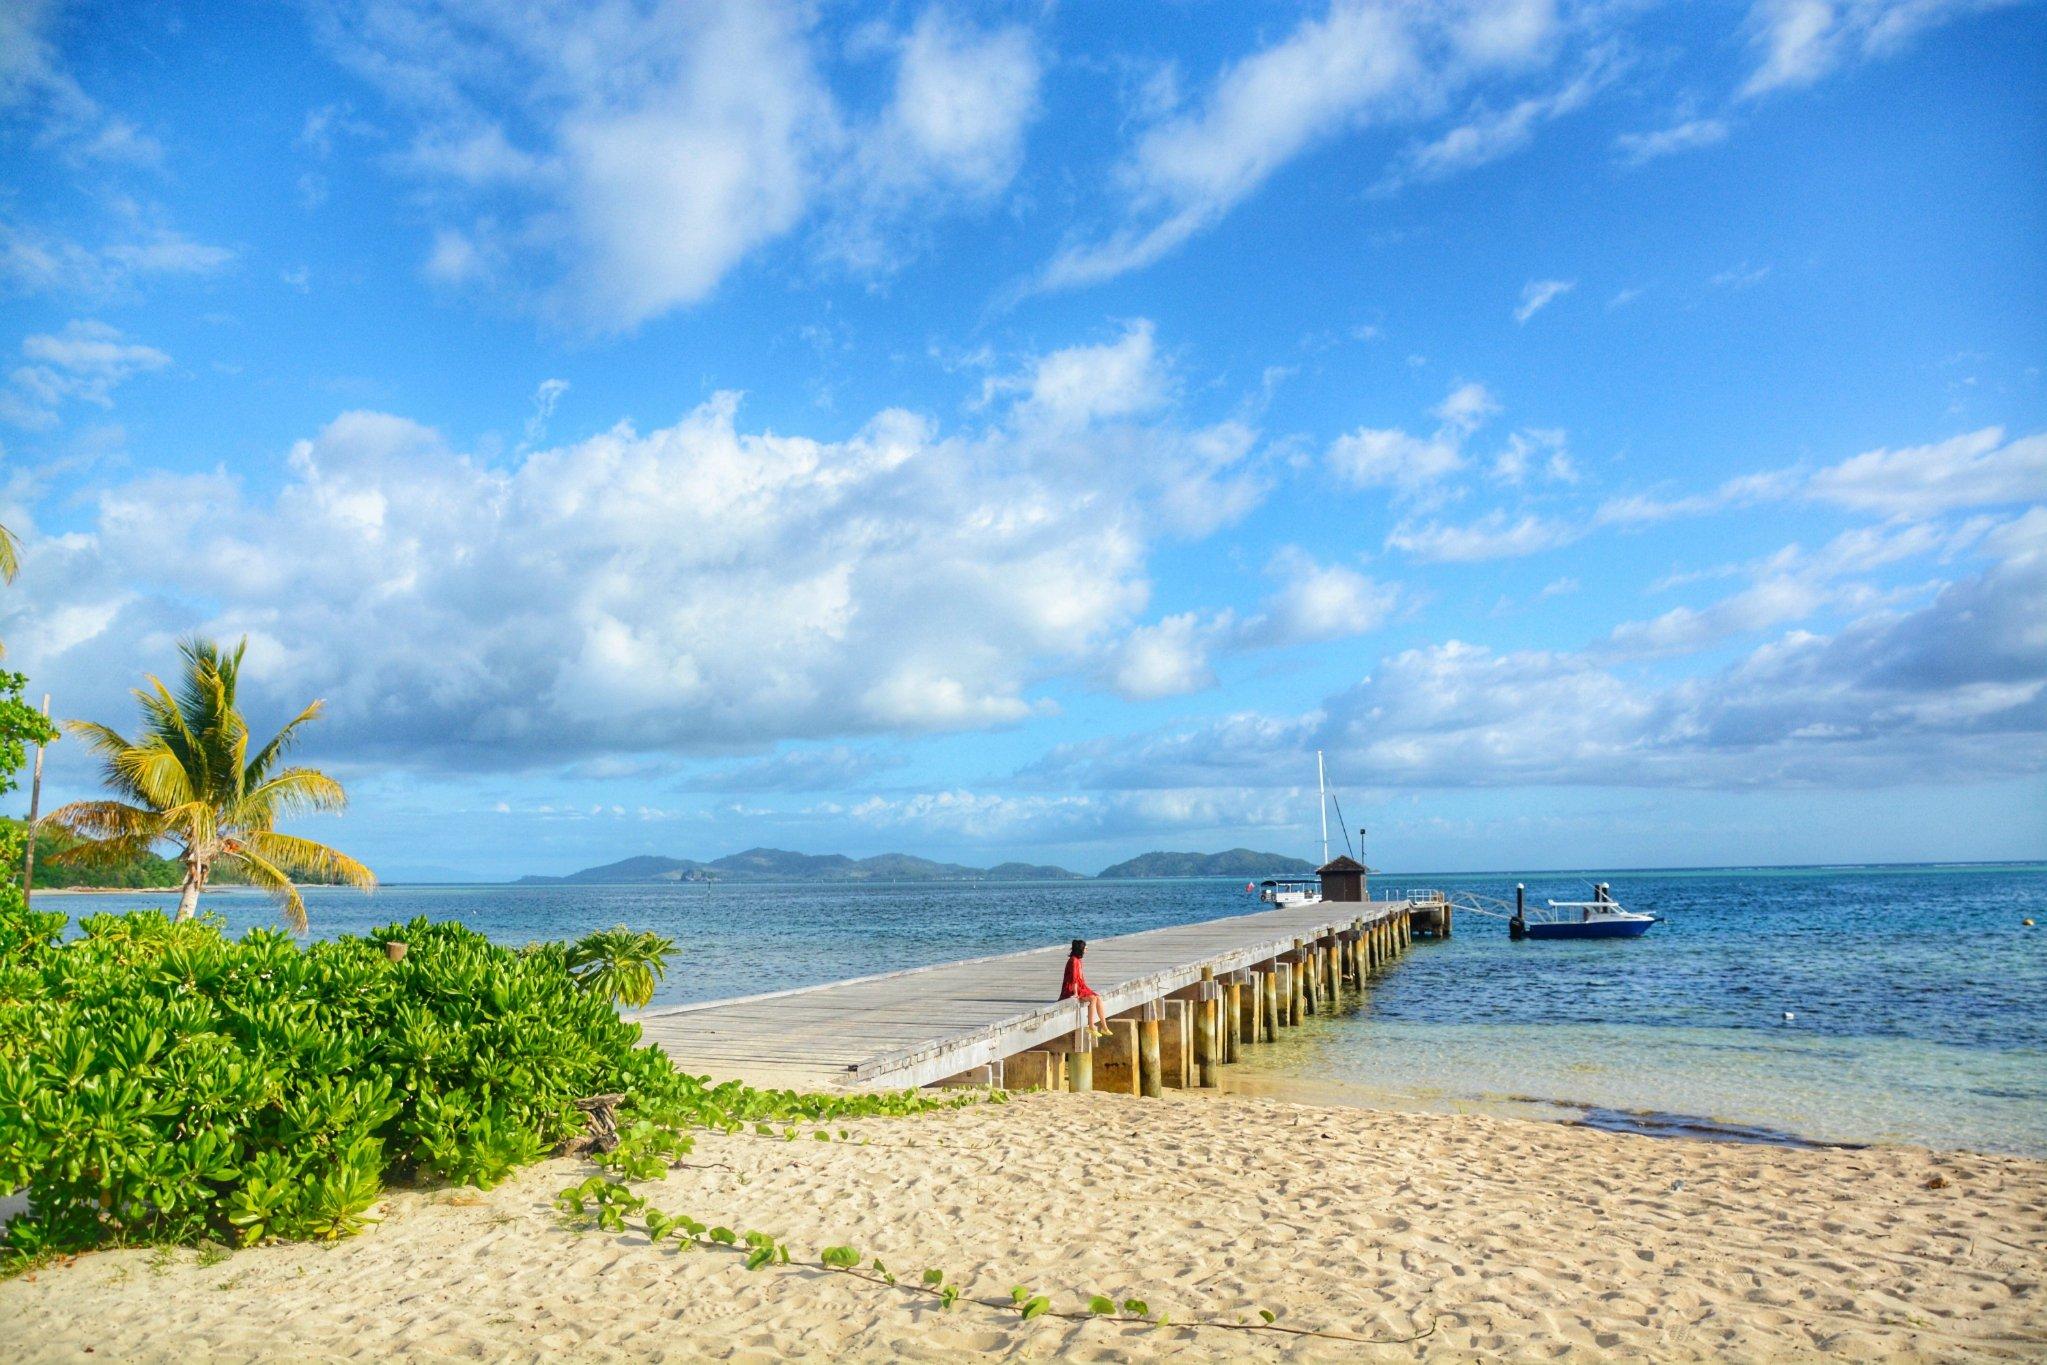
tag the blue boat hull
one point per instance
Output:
(1596, 929)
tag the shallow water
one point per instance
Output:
(1917, 991)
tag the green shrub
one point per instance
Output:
(163, 1082)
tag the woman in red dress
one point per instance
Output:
(1075, 987)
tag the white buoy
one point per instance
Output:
(1789, 1016)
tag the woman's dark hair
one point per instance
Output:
(1079, 946)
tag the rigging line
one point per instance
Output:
(1345, 824)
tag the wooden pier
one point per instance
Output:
(1182, 1001)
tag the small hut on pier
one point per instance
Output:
(1343, 879)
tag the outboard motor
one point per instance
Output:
(1517, 927)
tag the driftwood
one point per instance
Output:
(600, 1117)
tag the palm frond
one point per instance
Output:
(309, 858)
(259, 767)
(295, 791)
(10, 556)
(269, 877)
(107, 819)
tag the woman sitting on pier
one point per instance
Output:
(1075, 987)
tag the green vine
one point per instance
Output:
(603, 1203)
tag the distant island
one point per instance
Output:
(1236, 862)
(781, 865)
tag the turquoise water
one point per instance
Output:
(1917, 992)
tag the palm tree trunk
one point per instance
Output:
(188, 899)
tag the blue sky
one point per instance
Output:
(1614, 432)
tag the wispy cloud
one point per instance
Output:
(1537, 295)
(1636, 149)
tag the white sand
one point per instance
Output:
(1503, 1236)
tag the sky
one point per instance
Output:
(1612, 432)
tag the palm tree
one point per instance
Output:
(189, 781)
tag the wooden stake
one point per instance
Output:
(35, 820)
(1233, 1019)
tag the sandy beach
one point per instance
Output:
(1435, 1235)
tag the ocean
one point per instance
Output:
(1915, 994)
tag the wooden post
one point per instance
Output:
(1300, 1001)
(1247, 1006)
(1176, 1043)
(1334, 977)
(1233, 1019)
(1204, 1031)
(1080, 1063)
(1150, 1073)
(1268, 1003)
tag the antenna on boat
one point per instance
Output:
(1322, 786)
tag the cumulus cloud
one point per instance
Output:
(1313, 602)
(1388, 457)
(692, 589)
(84, 363)
(1954, 690)
(1360, 62)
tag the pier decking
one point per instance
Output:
(965, 1020)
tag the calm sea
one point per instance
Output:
(1916, 993)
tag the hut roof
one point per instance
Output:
(1341, 863)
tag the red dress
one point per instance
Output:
(1075, 986)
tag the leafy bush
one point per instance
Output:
(163, 1082)
(620, 965)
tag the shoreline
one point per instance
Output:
(1446, 1235)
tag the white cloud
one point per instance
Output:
(1314, 602)
(1637, 509)
(1537, 295)
(544, 400)
(954, 124)
(1954, 690)
(1164, 659)
(1496, 535)
(1361, 61)
(34, 77)
(1978, 469)
(1388, 457)
(1690, 135)
(625, 160)
(84, 363)
(1489, 134)
(1743, 276)
(33, 262)
(697, 588)
(1799, 41)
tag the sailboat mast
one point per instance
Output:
(1322, 786)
